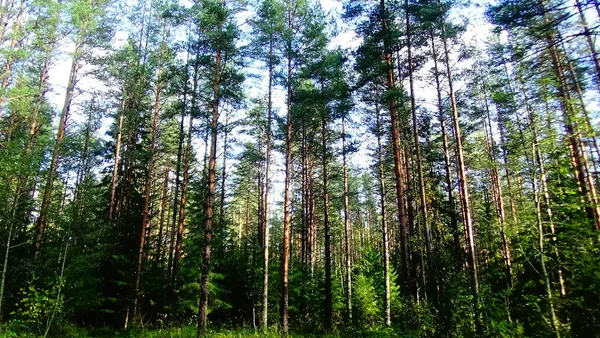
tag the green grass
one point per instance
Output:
(190, 332)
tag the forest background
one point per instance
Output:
(379, 168)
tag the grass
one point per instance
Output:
(190, 332)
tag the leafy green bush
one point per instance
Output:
(37, 307)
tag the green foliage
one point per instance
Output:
(36, 306)
(523, 100)
(7, 333)
(369, 291)
(364, 304)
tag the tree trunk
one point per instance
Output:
(210, 198)
(498, 199)
(83, 170)
(285, 257)
(585, 180)
(548, 287)
(589, 128)
(113, 182)
(13, 43)
(170, 289)
(25, 183)
(507, 172)
(59, 295)
(62, 126)
(178, 255)
(6, 255)
(497, 190)
(590, 42)
(464, 187)
(146, 218)
(457, 249)
(305, 197)
(384, 228)
(163, 211)
(431, 285)
(400, 193)
(312, 219)
(347, 230)
(265, 199)
(328, 292)
(223, 170)
(537, 155)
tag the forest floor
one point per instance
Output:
(190, 332)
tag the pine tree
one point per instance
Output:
(219, 35)
(267, 27)
(85, 19)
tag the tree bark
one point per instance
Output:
(548, 288)
(6, 255)
(170, 289)
(210, 198)
(146, 218)
(163, 211)
(537, 155)
(463, 184)
(400, 192)
(265, 198)
(305, 197)
(285, 257)
(497, 189)
(59, 295)
(431, 285)
(590, 42)
(585, 180)
(347, 229)
(384, 227)
(588, 127)
(62, 126)
(223, 170)
(13, 43)
(113, 182)
(457, 249)
(178, 254)
(25, 183)
(327, 229)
